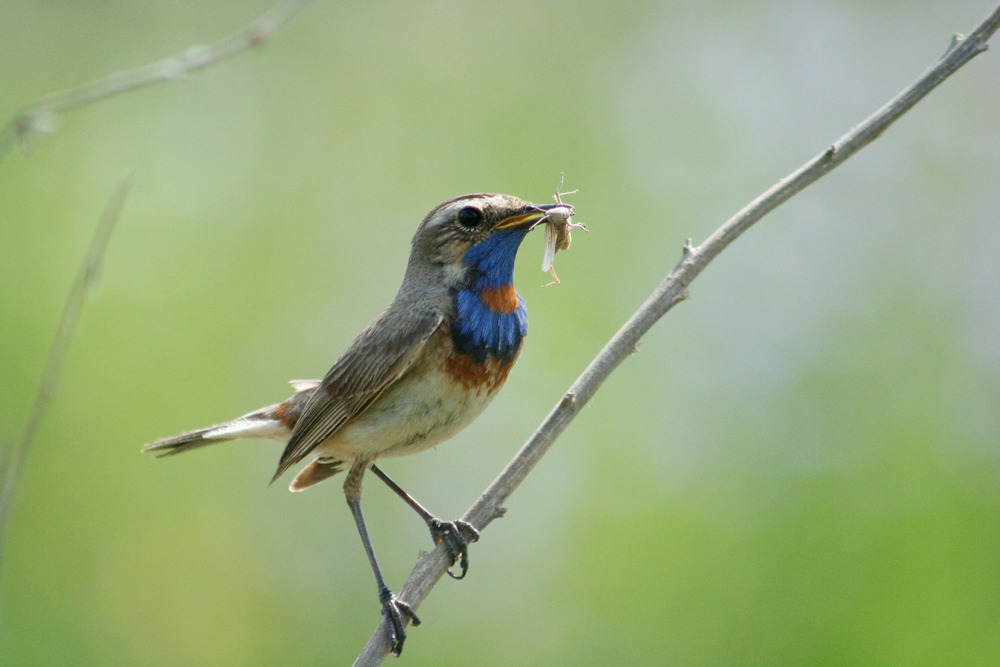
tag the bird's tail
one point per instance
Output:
(238, 428)
(274, 422)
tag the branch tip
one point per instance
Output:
(689, 249)
(956, 39)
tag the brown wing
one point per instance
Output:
(377, 358)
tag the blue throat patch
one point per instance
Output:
(480, 330)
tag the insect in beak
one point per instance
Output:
(558, 230)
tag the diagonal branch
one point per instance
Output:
(12, 460)
(38, 116)
(673, 289)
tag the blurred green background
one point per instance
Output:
(801, 466)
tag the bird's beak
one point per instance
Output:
(536, 215)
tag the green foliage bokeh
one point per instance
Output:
(800, 466)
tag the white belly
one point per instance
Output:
(409, 417)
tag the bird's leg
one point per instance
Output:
(395, 609)
(456, 535)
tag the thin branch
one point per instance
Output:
(13, 459)
(39, 116)
(672, 290)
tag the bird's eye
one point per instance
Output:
(469, 217)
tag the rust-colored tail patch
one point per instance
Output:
(314, 473)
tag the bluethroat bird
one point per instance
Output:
(422, 371)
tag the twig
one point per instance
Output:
(13, 460)
(673, 289)
(38, 116)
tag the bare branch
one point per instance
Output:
(38, 116)
(13, 458)
(673, 289)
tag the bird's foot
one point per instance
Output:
(456, 535)
(396, 611)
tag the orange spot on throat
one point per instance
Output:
(501, 299)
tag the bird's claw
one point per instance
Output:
(456, 535)
(396, 611)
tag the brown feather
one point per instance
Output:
(377, 358)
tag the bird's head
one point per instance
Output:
(463, 253)
(474, 239)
